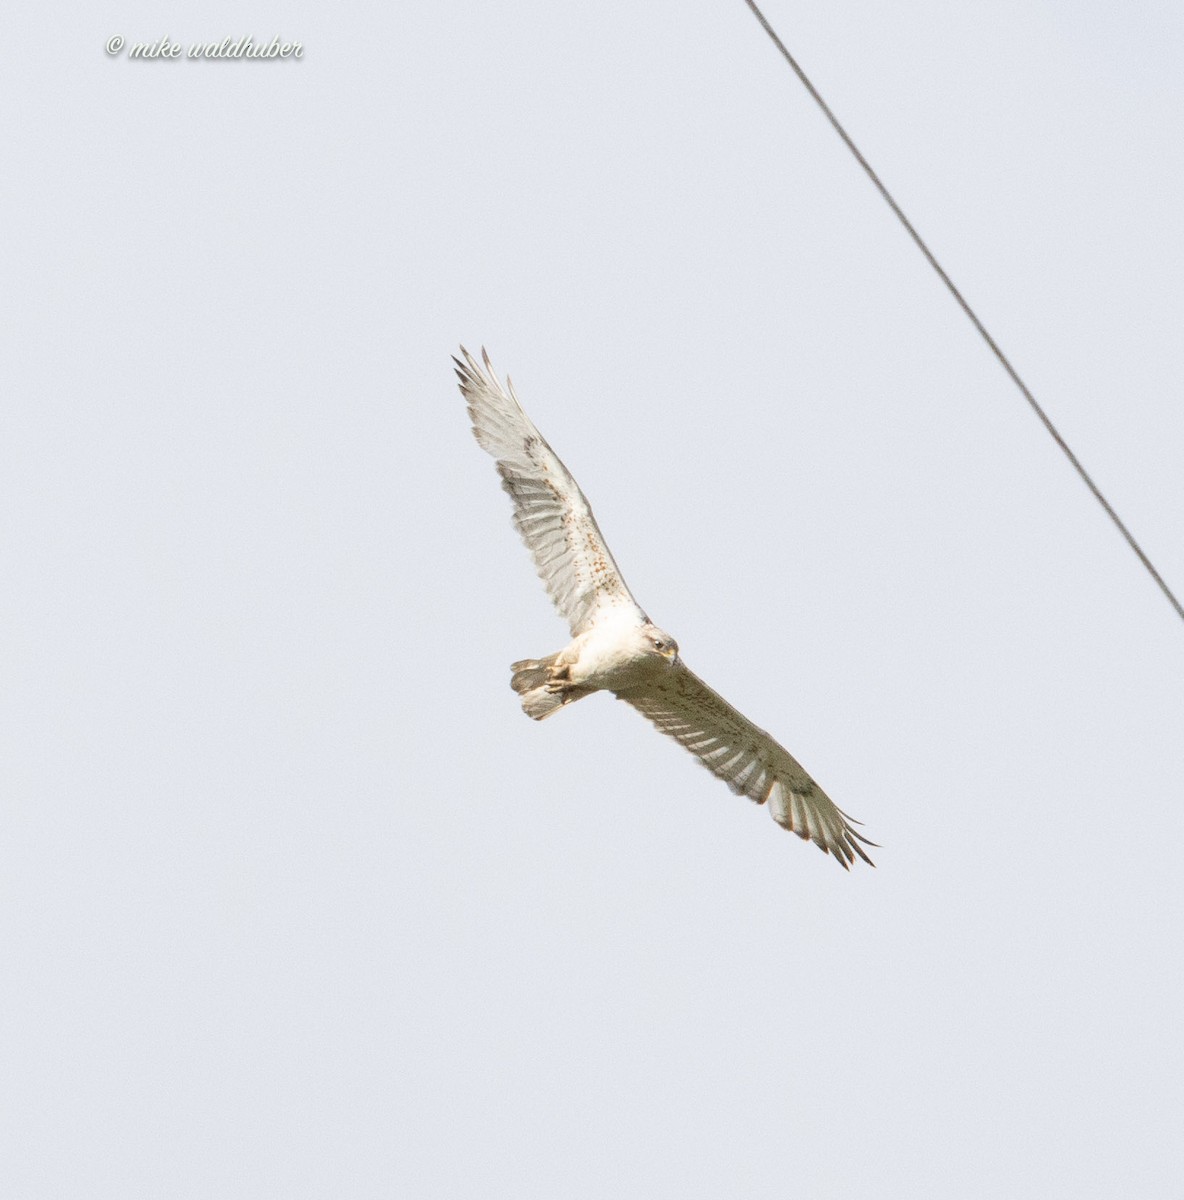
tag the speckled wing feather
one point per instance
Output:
(550, 511)
(747, 759)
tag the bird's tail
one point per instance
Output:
(530, 678)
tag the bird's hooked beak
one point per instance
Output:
(670, 654)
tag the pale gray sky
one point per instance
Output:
(296, 902)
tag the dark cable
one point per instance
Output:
(1011, 371)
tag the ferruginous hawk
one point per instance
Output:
(615, 646)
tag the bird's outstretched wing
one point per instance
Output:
(550, 511)
(747, 759)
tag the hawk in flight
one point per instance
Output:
(615, 647)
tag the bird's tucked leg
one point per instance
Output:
(559, 679)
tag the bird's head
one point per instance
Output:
(660, 643)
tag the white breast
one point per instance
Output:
(611, 653)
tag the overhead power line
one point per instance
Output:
(970, 313)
